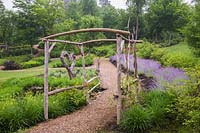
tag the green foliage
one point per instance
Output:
(27, 111)
(165, 18)
(18, 59)
(158, 102)
(186, 109)
(179, 56)
(88, 62)
(179, 60)
(55, 53)
(105, 51)
(150, 51)
(145, 50)
(88, 21)
(16, 52)
(193, 30)
(136, 118)
(152, 112)
(110, 18)
(11, 65)
(33, 63)
(22, 108)
(89, 7)
(65, 26)
(20, 113)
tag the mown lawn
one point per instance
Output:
(4, 75)
(179, 48)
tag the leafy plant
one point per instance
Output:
(136, 118)
(11, 65)
(152, 112)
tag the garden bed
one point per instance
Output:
(22, 99)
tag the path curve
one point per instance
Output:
(95, 116)
(39, 51)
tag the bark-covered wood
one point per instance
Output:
(65, 89)
(88, 30)
(119, 93)
(83, 64)
(52, 46)
(92, 89)
(46, 81)
(64, 41)
(92, 79)
(70, 58)
(93, 41)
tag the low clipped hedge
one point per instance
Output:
(21, 62)
(33, 63)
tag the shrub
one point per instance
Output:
(157, 54)
(179, 60)
(186, 108)
(30, 64)
(17, 59)
(33, 63)
(105, 51)
(144, 50)
(88, 62)
(152, 112)
(41, 45)
(158, 102)
(57, 64)
(11, 65)
(136, 119)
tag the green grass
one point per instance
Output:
(5, 75)
(179, 48)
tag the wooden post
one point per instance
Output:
(83, 64)
(46, 80)
(119, 99)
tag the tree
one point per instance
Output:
(73, 10)
(136, 15)
(89, 7)
(166, 18)
(36, 18)
(7, 25)
(90, 22)
(193, 30)
(110, 16)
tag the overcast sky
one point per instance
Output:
(116, 3)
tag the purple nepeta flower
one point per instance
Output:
(151, 68)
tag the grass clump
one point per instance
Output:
(150, 113)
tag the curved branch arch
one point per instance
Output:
(122, 32)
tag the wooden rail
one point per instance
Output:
(88, 30)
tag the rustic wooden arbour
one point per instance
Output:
(120, 38)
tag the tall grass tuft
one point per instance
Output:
(152, 112)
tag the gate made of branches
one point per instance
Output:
(122, 39)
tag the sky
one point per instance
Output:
(116, 3)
